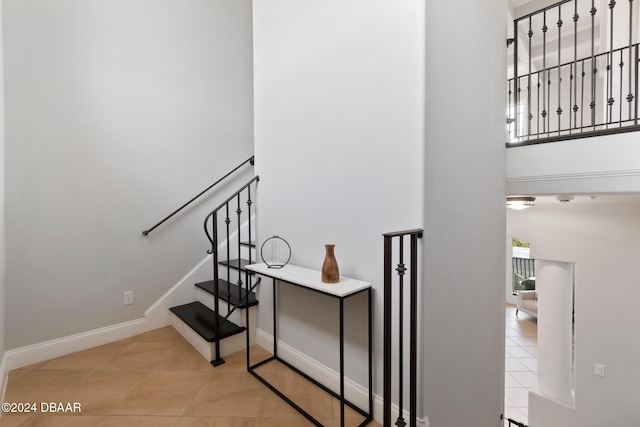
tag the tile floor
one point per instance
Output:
(521, 363)
(157, 379)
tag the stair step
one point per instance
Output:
(233, 298)
(238, 264)
(200, 318)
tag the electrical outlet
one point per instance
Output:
(128, 298)
(599, 369)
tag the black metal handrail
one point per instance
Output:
(569, 95)
(211, 228)
(401, 269)
(513, 422)
(249, 160)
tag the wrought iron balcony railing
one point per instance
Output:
(575, 71)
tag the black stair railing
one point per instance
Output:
(395, 289)
(515, 423)
(228, 228)
(159, 223)
(575, 72)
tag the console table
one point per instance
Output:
(311, 280)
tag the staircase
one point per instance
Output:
(214, 323)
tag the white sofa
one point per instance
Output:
(528, 302)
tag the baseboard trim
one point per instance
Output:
(330, 378)
(183, 292)
(36, 353)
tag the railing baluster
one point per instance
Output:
(413, 347)
(529, 115)
(538, 103)
(509, 110)
(517, 107)
(593, 12)
(247, 276)
(630, 96)
(620, 98)
(516, 83)
(582, 74)
(228, 222)
(559, 110)
(574, 73)
(401, 270)
(213, 238)
(239, 283)
(635, 63)
(610, 98)
(548, 107)
(388, 298)
(544, 71)
(216, 320)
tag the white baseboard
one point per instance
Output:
(36, 353)
(183, 292)
(24, 356)
(355, 393)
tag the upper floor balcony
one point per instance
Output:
(573, 69)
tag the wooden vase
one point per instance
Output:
(330, 272)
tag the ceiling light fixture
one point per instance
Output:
(519, 203)
(564, 198)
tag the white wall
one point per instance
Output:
(601, 236)
(590, 165)
(117, 113)
(3, 254)
(339, 137)
(465, 214)
(345, 153)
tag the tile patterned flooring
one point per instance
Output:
(521, 363)
(158, 379)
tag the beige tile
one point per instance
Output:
(238, 360)
(216, 422)
(166, 334)
(290, 422)
(138, 356)
(184, 358)
(18, 373)
(12, 420)
(512, 333)
(99, 392)
(348, 412)
(62, 421)
(354, 422)
(520, 361)
(227, 394)
(134, 338)
(351, 417)
(309, 397)
(138, 421)
(35, 365)
(87, 359)
(42, 385)
(161, 393)
(274, 406)
(157, 379)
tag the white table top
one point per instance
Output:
(311, 279)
